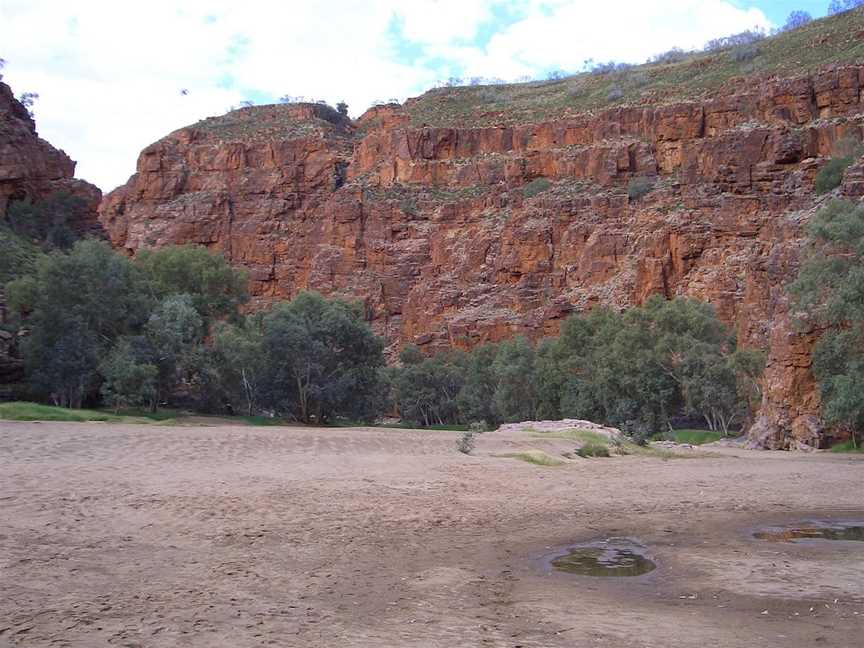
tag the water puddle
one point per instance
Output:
(845, 532)
(614, 557)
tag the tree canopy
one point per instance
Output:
(829, 295)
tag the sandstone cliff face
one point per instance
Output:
(32, 169)
(455, 236)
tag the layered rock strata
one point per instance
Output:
(456, 236)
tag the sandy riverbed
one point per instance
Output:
(225, 537)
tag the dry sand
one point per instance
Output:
(236, 536)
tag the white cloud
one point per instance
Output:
(109, 73)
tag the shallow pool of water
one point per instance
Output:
(846, 532)
(614, 557)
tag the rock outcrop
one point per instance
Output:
(32, 169)
(456, 236)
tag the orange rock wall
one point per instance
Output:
(30, 168)
(441, 234)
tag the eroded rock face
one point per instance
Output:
(30, 168)
(452, 237)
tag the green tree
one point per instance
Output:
(173, 332)
(426, 391)
(638, 368)
(77, 304)
(216, 289)
(129, 381)
(238, 354)
(515, 396)
(829, 294)
(550, 377)
(476, 396)
(48, 221)
(323, 360)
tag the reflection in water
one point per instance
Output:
(613, 557)
(814, 531)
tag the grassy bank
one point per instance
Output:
(24, 411)
(847, 447)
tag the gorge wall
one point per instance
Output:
(456, 236)
(31, 169)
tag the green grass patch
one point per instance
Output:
(22, 411)
(847, 447)
(261, 421)
(693, 437)
(583, 436)
(536, 457)
(593, 450)
(405, 426)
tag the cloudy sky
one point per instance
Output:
(111, 74)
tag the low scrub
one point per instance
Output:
(829, 177)
(593, 450)
(638, 187)
(536, 457)
(536, 186)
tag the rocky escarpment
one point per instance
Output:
(455, 236)
(31, 169)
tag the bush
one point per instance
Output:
(47, 222)
(674, 55)
(745, 53)
(615, 93)
(638, 187)
(831, 175)
(748, 37)
(593, 450)
(536, 186)
(465, 445)
(839, 6)
(797, 19)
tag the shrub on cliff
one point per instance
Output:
(839, 6)
(536, 186)
(47, 222)
(828, 294)
(638, 187)
(17, 255)
(830, 175)
(796, 19)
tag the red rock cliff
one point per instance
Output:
(30, 168)
(455, 236)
